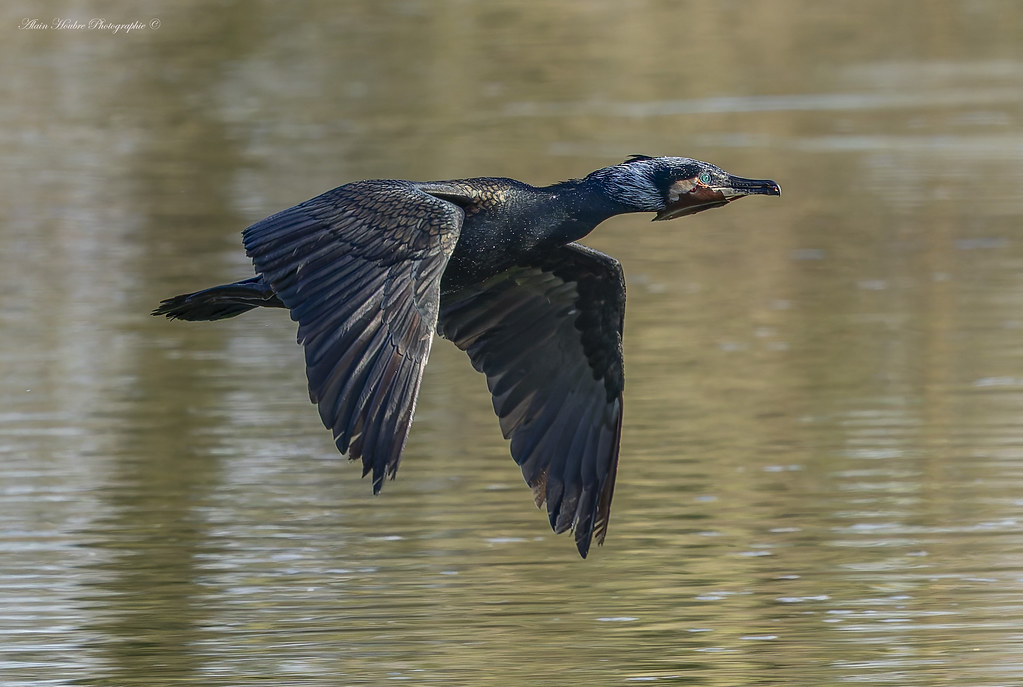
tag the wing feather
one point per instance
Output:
(547, 334)
(359, 268)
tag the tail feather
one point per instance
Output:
(220, 302)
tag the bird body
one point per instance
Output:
(543, 218)
(372, 269)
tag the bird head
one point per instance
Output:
(677, 186)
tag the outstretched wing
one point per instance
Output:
(360, 268)
(548, 336)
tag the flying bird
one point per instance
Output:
(372, 269)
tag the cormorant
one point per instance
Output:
(370, 270)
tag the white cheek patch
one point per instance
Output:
(679, 189)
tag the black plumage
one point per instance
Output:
(372, 269)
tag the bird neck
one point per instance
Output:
(580, 205)
(508, 221)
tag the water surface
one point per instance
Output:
(821, 476)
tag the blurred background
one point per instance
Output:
(822, 465)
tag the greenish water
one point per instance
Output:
(822, 463)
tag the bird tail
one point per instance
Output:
(220, 302)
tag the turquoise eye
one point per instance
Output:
(704, 177)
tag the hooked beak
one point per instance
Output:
(689, 196)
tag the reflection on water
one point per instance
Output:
(820, 481)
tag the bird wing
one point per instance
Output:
(548, 336)
(359, 268)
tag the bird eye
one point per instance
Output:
(704, 177)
